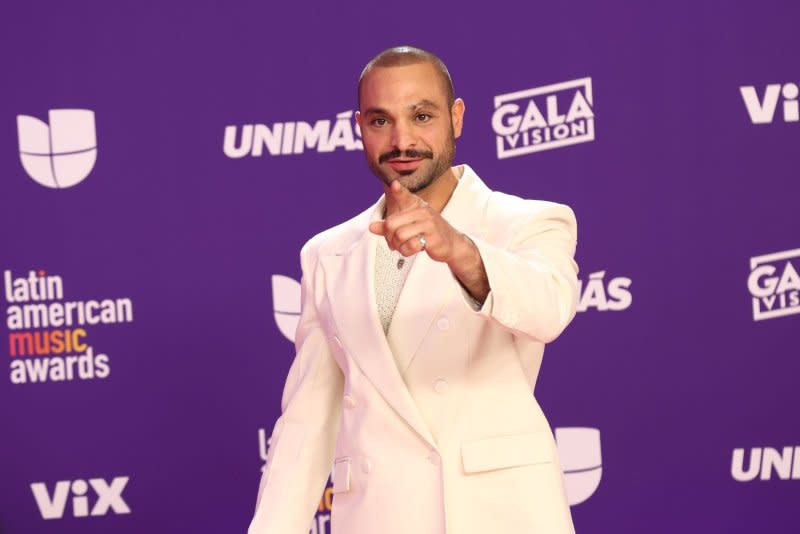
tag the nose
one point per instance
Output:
(402, 136)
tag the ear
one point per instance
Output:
(457, 116)
(358, 118)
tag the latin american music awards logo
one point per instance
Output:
(49, 331)
(62, 153)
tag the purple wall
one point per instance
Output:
(673, 394)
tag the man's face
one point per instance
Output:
(408, 129)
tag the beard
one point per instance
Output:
(425, 174)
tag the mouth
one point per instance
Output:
(404, 165)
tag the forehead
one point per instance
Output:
(398, 86)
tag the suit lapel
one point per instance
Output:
(431, 285)
(349, 280)
(427, 289)
(349, 267)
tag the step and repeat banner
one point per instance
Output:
(161, 167)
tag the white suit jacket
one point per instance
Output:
(444, 436)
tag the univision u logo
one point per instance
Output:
(581, 460)
(286, 297)
(62, 153)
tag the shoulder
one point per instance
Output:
(506, 215)
(511, 209)
(507, 209)
(507, 219)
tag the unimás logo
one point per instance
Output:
(578, 447)
(105, 497)
(47, 335)
(295, 137)
(763, 462)
(605, 295)
(581, 460)
(762, 109)
(774, 284)
(61, 152)
(522, 127)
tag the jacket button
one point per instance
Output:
(338, 342)
(443, 323)
(433, 458)
(366, 466)
(349, 402)
(440, 386)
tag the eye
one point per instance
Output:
(380, 121)
(423, 117)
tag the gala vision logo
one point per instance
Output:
(543, 118)
(59, 154)
(774, 284)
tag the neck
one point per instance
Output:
(436, 195)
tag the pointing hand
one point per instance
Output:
(413, 220)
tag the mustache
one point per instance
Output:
(410, 154)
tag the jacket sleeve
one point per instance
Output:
(303, 440)
(531, 271)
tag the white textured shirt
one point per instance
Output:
(391, 271)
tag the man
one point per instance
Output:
(422, 331)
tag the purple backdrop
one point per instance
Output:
(148, 348)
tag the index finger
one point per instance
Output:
(405, 199)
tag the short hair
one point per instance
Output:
(399, 56)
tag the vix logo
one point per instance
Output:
(109, 497)
(62, 154)
(762, 110)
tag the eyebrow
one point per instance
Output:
(424, 103)
(376, 111)
(421, 104)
